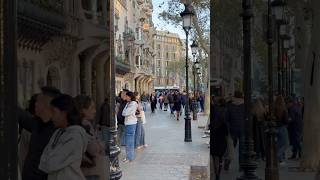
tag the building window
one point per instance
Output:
(158, 46)
(158, 63)
(167, 63)
(167, 55)
(138, 61)
(159, 55)
(174, 56)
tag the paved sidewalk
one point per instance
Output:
(167, 157)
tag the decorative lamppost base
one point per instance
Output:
(115, 171)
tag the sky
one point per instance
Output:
(161, 25)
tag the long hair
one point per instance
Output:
(66, 103)
(280, 107)
(32, 104)
(82, 102)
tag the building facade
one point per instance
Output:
(169, 59)
(134, 52)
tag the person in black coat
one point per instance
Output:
(219, 135)
(177, 101)
(153, 101)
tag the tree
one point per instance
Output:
(307, 16)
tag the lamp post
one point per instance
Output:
(187, 23)
(271, 170)
(194, 50)
(278, 6)
(248, 165)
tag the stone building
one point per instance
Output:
(169, 51)
(133, 45)
(61, 43)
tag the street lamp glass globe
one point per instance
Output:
(197, 65)
(187, 17)
(194, 48)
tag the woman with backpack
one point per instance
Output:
(94, 161)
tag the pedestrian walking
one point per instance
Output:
(171, 102)
(103, 124)
(144, 101)
(258, 117)
(177, 104)
(141, 119)
(166, 102)
(94, 163)
(129, 112)
(295, 127)
(235, 119)
(161, 101)
(62, 156)
(41, 128)
(153, 102)
(184, 99)
(219, 137)
(120, 118)
(281, 114)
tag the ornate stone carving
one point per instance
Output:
(61, 50)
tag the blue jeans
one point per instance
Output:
(282, 142)
(130, 138)
(138, 134)
(104, 136)
(144, 105)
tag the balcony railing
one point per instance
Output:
(49, 5)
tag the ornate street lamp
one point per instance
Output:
(187, 25)
(271, 170)
(194, 50)
(278, 11)
(248, 164)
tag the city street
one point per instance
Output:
(167, 156)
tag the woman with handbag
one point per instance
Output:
(140, 135)
(129, 112)
(94, 163)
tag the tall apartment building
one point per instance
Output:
(168, 48)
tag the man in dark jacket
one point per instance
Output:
(120, 119)
(235, 119)
(41, 128)
(171, 102)
(295, 127)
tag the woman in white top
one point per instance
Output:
(130, 121)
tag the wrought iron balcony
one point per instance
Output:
(129, 35)
(38, 21)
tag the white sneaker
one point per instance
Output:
(282, 164)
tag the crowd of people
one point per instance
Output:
(64, 137)
(64, 141)
(228, 128)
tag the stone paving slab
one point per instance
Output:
(167, 156)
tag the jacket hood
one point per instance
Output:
(76, 129)
(237, 101)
